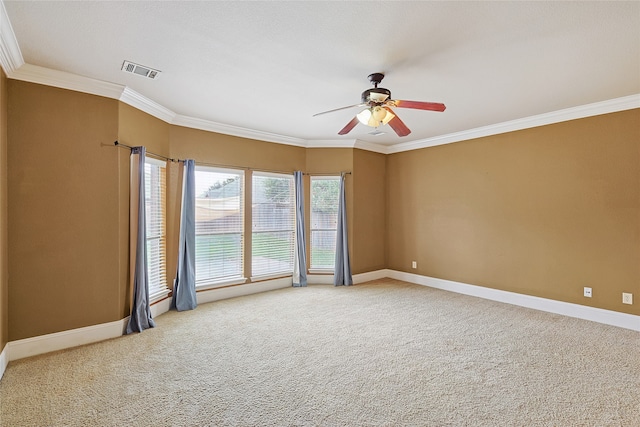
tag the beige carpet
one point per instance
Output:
(384, 353)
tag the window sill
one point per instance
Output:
(221, 283)
(271, 276)
(321, 271)
(159, 295)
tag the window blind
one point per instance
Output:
(156, 226)
(273, 224)
(325, 192)
(219, 225)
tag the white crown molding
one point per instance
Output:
(347, 143)
(14, 66)
(10, 55)
(136, 100)
(208, 125)
(45, 76)
(331, 143)
(610, 106)
(62, 79)
(370, 146)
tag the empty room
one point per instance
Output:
(310, 213)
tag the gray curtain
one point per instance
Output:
(184, 285)
(140, 318)
(342, 269)
(300, 253)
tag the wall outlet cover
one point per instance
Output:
(588, 292)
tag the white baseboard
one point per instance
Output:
(66, 339)
(4, 360)
(370, 275)
(608, 317)
(217, 294)
(160, 307)
(320, 279)
(327, 279)
(72, 338)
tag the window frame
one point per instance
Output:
(262, 275)
(225, 280)
(312, 268)
(157, 291)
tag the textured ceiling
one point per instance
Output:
(269, 66)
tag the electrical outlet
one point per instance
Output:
(587, 292)
(627, 298)
(414, 264)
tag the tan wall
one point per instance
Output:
(543, 211)
(63, 210)
(137, 128)
(369, 201)
(231, 151)
(331, 161)
(4, 285)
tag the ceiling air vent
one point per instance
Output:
(141, 70)
(376, 132)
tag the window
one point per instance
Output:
(155, 180)
(273, 224)
(324, 219)
(219, 226)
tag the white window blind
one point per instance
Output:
(273, 224)
(325, 192)
(156, 227)
(219, 225)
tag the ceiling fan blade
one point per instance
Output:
(418, 105)
(345, 130)
(398, 125)
(338, 109)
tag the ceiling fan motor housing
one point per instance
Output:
(375, 95)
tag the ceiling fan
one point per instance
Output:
(378, 112)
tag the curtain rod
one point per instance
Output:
(119, 144)
(329, 174)
(242, 168)
(267, 170)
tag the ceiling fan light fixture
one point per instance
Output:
(365, 116)
(388, 117)
(375, 116)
